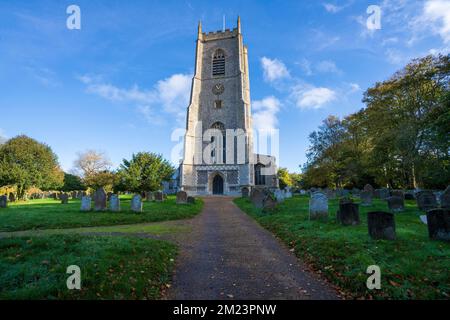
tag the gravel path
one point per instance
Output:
(229, 256)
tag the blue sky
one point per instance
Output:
(121, 83)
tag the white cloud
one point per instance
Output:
(354, 87)
(265, 113)
(312, 97)
(437, 14)
(274, 69)
(332, 8)
(171, 93)
(327, 66)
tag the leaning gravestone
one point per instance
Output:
(395, 203)
(318, 206)
(64, 198)
(85, 203)
(100, 200)
(438, 221)
(445, 198)
(3, 201)
(182, 197)
(369, 188)
(257, 197)
(348, 214)
(159, 196)
(245, 192)
(190, 200)
(12, 197)
(381, 225)
(426, 200)
(136, 203)
(366, 198)
(114, 203)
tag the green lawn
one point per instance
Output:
(51, 214)
(111, 267)
(412, 267)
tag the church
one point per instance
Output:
(218, 156)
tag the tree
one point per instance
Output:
(72, 183)
(284, 178)
(93, 166)
(144, 172)
(24, 162)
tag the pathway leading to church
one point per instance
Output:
(229, 256)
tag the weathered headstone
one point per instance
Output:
(382, 193)
(257, 197)
(149, 196)
(245, 192)
(279, 195)
(114, 203)
(86, 203)
(426, 200)
(269, 204)
(369, 188)
(348, 214)
(438, 221)
(190, 200)
(381, 225)
(64, 198)
(366, 198)
(12, 197)
(100, 200)
(318, 206)
(136, 203)
(182, 197)
(395, 203)
(3, 201)
(445, 198)
(398, 193)
(159, 196)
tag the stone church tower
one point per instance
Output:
(218, 146)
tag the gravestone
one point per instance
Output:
(64, 198)
(287, 192)
(366, 198)
(114, 203)
(80, 194)
(445, 198)
(3, 201)
(136, 203)
(159, 196)
(269, 204)
(423, 219)
(257, 197)
(426, 200)
(73, 194)
(438, 221)
(100, 200)
(190, 200)
(149, 196)
(398, 193)
(382, 193)
(381, 225)
(369, 188)
(12, 197)
(409, 195)
(356, 192)
(85, 203)
(348, 214)
(182, 197)
(395, 203)
(318, 206)
(245, 192)
(279, 195)
(331, 194)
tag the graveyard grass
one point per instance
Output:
(111, 267)
(51, 214)
(412, 267)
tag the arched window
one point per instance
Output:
(260, 179)
(220, 126)
(218, 63)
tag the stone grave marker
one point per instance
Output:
(366, 198)
(396, 204)
(426, 200)
(136, 203)
(85, 203)
(64, 198)
(318, 206)
(381, 225)
(348, 214)
(3, 201)
(114, 203)
(182, 197)
(100, 199)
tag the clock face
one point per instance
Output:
(218, 88)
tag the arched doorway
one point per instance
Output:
(217, 184)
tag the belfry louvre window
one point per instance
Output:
(218, 65)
